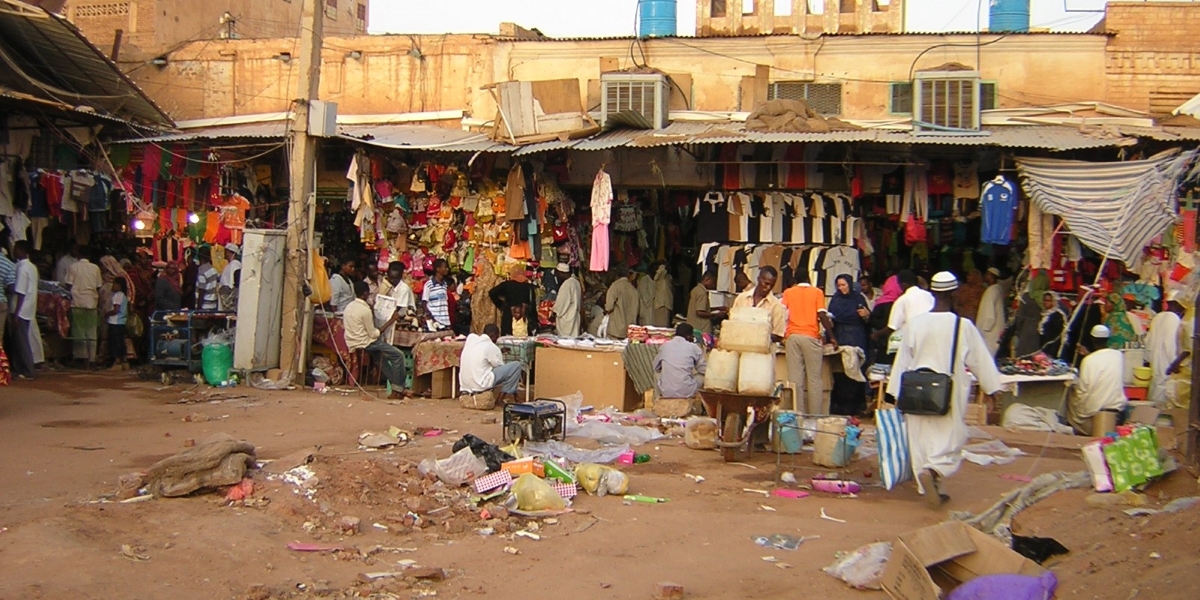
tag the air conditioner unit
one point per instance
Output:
(648, 96)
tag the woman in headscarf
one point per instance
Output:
(969, 295)
(664, 298)
(848, 310)
(879, 318)
(1050, 327)
(483, 311)
(1029, 315)
(1118, 323)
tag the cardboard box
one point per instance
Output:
(1172, 427)
(440, 384)
(928, 563)
(523, 466)
(600, 376)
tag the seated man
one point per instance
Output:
(1100, 386)
(482, 368)
(679, 364)
(358, 319)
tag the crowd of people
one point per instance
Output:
(113, 295)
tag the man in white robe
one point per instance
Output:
(1100, 386)
(936, 443)
(992, 316)
(1162, 347)
(566, 305)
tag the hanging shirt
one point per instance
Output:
(999, 206)
(841, 260)
(602, 197)
(712, 218)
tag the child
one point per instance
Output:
(118, 314)
(520, 326)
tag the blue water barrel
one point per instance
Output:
(1008, 16)
(656, 18)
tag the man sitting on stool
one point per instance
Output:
(482, 367)
(680, 366)
(359, 322)
(1100, 387)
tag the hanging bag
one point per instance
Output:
(914, 231)
(925, 392)
(891, 437)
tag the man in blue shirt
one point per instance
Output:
(679, 364)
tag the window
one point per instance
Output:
(717, 8)
(825, 98)
(748, 7)
(880, 5)
(946, 100)
(901, 94)
(783, 8)
(331, 9)
(361, 23)
(849, 6)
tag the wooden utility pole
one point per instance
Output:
(302, 171)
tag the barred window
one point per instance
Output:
(825, 98)
(111, 9)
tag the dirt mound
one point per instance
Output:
(792, 116)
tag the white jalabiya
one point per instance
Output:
(566, 308)
(991, 317)
(1162, 348)
(936, 442)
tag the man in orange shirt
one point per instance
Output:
(803, 345)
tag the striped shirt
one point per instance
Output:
(8, 275)
(206, 287)
(436, 296)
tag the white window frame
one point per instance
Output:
(921, 125)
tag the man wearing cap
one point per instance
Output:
(992, 315)
(1163, 352)
(1100, 386)
(227, 293)
(936, 442)
(567, 303)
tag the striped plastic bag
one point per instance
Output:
(891, 437)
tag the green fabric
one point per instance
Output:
(195, 156)
(119, 155)
(66, 157)
(1119, 324)
(84, 324)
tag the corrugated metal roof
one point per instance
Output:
(274, 130)
(422, 137)
(18, 101)
(627, 38)
(46, 56)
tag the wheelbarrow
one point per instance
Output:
(730, 411)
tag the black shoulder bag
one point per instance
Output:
(927, 393)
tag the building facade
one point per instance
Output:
(755, 17)
(1142, 58)
(154, 27)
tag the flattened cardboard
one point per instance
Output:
(930, 561)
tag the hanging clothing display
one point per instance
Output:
(998, 202)
(601, 204)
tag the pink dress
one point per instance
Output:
(602, 197)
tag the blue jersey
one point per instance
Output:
(998, 203)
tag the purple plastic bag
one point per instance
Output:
(1007, 587)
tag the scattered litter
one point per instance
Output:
(781, 541)
(380, 575)
(557, 449)
(406, 563)
(770, 559)
(486, 531)
(511, 550)
(782, 493)
(137, 499)
(997, 519)
(695, 478)
(1038, 549)
(380, 526)
(525, 534)
(132, 554)
(862, 568)
(241, 491)
(601, 480)
(766, 508)
(782, 565)
(1125, 498)
(745, 465)
(646, 499)
(378, 441)
(1015, 477)
(991, 452)
(1174, 506)
(836, 486)
(1007, 586)
(788, 477)
(829, 518)
(1155, 555)
(308, 547)
(765, 493)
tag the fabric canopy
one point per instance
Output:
(1115, 208)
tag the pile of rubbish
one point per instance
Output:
(792, 116)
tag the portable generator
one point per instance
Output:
(538, 421)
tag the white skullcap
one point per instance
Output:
(1101, 331)
(944, 281)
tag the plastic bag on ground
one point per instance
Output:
(862, 568)
(490, 453)
(557, 449)
(574, 403)
(461, 467)
(1007, 587)
(260, 381)
(533, 493)
(599, 480)
(613, 434)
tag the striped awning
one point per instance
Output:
(1115, 208)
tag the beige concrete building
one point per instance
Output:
(154, 27)
(1142, 58)
(754, 17)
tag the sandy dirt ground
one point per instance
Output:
(66, 438)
